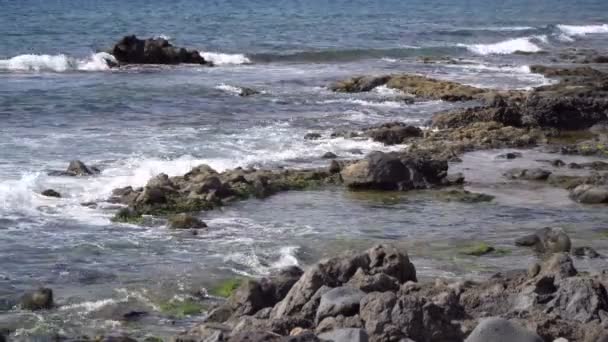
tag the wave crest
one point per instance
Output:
(583, 30)
(57, 63)
(509, 46)
(225, 59)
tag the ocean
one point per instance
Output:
(59, 101)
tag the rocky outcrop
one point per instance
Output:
(185, 221)
(132, 50)
(76, 168)
(393, 133)
(419, 86)
(374, 296)
(546, 240)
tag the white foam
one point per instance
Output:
(229, 89)
(389, 60)
(385, 91)
(225, 59)
(88, 307)
(367, 103)
(521, 69)
(582, 30)
(287, 258)
(507, 47)
(57, 63)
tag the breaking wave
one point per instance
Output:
(57, 63)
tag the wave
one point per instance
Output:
(57, 63)
(225, 59)
(524, 44)
(229, 89)
(349, 55)
(583, 30)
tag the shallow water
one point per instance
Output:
(59, 102)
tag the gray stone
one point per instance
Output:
(345, 335)
(546, 240)
(590, 194)
(339, 301)
(579, 299)
(496, 329)
(50, 193)
(585, 252)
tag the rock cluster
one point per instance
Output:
(375, 296)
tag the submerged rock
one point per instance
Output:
(131, 50)
(329, 155)
(40, 299)
(312, 136)
(590, 194)
(509, 155)
(185, 221)
(585, 252)
(528, 174)
(393, 133)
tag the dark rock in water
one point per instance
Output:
(495, 329)
(134, 315)
(312, 136)
(509, 155)
(329, 155)
(76, 168)
(37, 300)
(595, 165)
(185, 221)
(132, 50)
(546, 240)
(248, 92)
(359, 84)
(128, 215)
(394, 133)
(585, 252)
(549, 71)
(81, 169)
(553, 162)
(345, 335)
(50, 193)
(590, 194)
(393, 171)
(528, 174)
(343, 300)
(464, 196)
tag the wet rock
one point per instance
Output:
(79, 168)
(546, 240)
(558, 266)
(345, 335)
(116, 338)
(394, 133)
(585, 252)
(40, 299)
(211, 332)
(128, 215)
(528, 174)
(550, 71)
(51, 193)
(359, 84)
(509, 155)
(477, 249)
(329, 155)
(131, 50)
(497, 329)
(590, 194)
(342, 300)
(185, 221)
(312, 136)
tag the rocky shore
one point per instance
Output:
(375, 296)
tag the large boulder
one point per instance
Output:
(495, 329)
(393, 171)
(579, 299)
(337, 271)
(131, 50)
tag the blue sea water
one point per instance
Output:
(59, 101)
